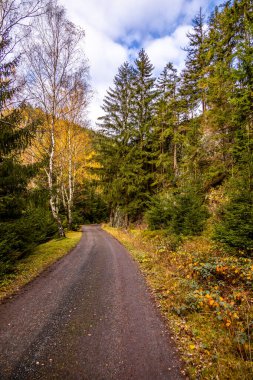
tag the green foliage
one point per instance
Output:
(21, 227)
(166, 136)
(235, 228)
(17, 274)
(19, 236)
(90, 205)
(14, 138)
(182, 213)
(124, 145)
(192, 92)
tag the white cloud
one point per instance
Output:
(104, 55)
(117, 17)
(116, 29)
(168, 49)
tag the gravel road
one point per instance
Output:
(89, 316)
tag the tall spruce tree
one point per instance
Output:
(193, 101)
(166, 122)
(117, 153)
(144, 99)
(220, 88)
(15, 133)
(235, 227)
(192, 76)
(14, 137)
(242, 97)
(126, 147)
(118, 106)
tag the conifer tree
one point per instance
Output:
(118, 105)
(14, 137)
(220, 84)
(116, 147)
(235, 227)
(166, 123)
(193, 89)
(126, 146)
(144, 99)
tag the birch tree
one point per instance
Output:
(74, 157)
(57, 72)
(77, 100)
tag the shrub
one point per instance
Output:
(235, 228)
(20, 236)
(182, 212)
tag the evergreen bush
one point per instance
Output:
(19, 236)
(235, 228)
(182, 212)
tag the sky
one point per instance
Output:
(115, 30)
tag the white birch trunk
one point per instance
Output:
(53, 197)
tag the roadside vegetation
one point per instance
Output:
(205, 295)
(41, 257)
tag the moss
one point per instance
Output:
(42, 257)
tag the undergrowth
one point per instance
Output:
(206, 296)
(42, 256)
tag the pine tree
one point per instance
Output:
(220, 87)
(116, 148)
(144, 99)
(125, 148)
(166, 122)
(242, 97)
(193, 89)
(18, 230)
(118, 106)
(235, 227)
(14, 137)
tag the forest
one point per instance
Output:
(168, 168)
(171, 153)
(176, 151)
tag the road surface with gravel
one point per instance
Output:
(89, 316)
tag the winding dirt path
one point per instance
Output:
(89, 316)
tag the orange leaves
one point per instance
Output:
(221, 269)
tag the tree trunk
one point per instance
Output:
(70, 181)
(53, 200)
(175, 164)
(118, 219)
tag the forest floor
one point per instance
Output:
(206, 297)
(88, 316)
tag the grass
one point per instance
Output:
(207, 298)
(42, 257)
